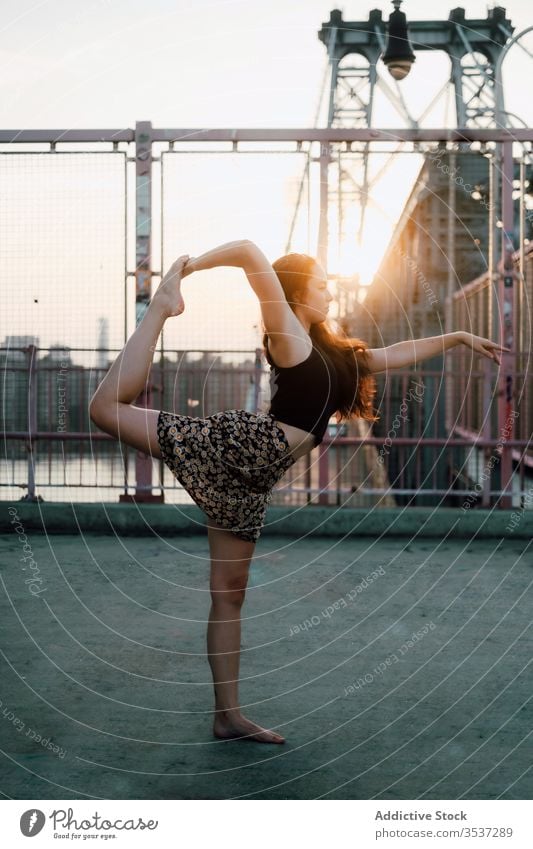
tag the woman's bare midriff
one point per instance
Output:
(300, 441)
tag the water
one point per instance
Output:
(84, 479)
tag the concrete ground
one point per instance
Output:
(396, 667)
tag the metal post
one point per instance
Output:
(322, 256)
(457, 77)
(486, 401)
(32, 421)
(143, 283)
(323, 231)
(492, 244)
(323, 475)
(258, 373)
(450, 288)
(506, 298)
(520, 323)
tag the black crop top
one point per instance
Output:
(304, 395)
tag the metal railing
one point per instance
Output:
(441, 456)
(52, 451)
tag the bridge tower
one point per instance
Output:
(354, 49)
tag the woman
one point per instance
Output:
(230, 461)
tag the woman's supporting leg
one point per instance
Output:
(111, 406)
(230, 562)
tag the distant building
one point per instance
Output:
(203, 386)
(12, 342)
(58, 353)
(102, 359)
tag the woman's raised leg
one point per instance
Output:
(230, 563)
(111, 407)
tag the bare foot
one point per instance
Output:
(235, 726)
(168, 297)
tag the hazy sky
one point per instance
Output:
(108, 63)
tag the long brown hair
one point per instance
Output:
(356, 384)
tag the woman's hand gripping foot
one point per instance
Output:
(168, 298)
(232, 725)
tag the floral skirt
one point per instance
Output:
(228, 462)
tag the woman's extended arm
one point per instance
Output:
(230, 253)
(412, 351)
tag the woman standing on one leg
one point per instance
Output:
(229, 462)
(112, 410)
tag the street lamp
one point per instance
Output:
(398, 56)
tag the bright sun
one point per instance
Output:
(385, 202)
(357, 259)
(351, 258)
